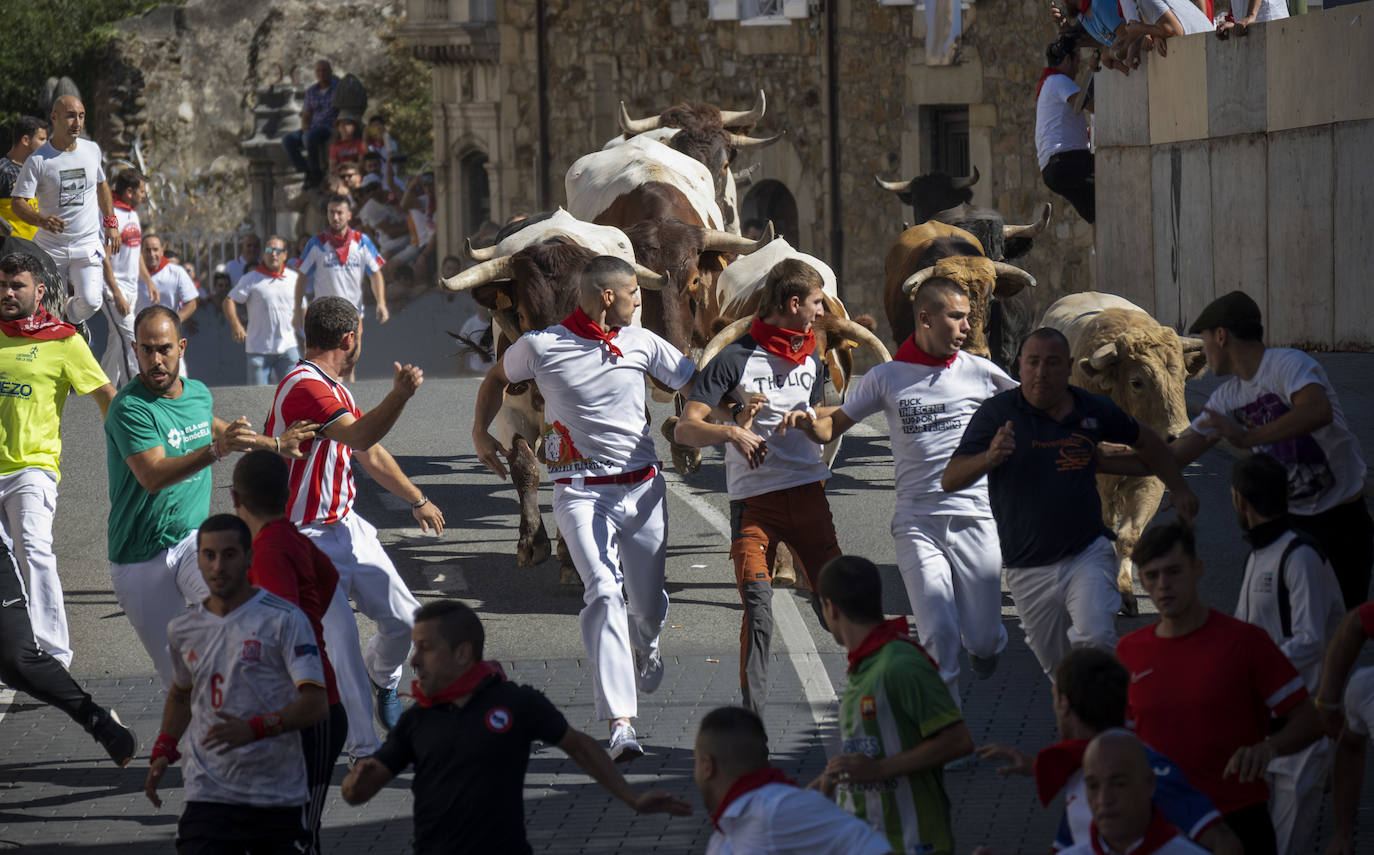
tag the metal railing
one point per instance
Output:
(204, 249)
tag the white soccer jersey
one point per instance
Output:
(271, 304)
(248, 663)
(927, 409)
(174, 287)
(335, 278)
(63, 183)
(125, 259)
(594, 421)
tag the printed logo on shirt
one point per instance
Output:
(13, 389)
(131, 235)
(1136, 678)
(252, 650)
(1090, 423)
(924, 418)
(73, 187)
(499, 719)
(176, 437)
(1309, 472)
(862, 745)
(27, 355)
(1264, 583)
(804, 379)
(868, 707)
(558, 446)
(307, 650)
(1074, 451)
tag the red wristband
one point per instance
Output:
(110, 221)
(265, 725)
(165, 746)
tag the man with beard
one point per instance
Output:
(41, 360)
(161, 437)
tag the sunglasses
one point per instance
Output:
(275, 249)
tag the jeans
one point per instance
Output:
(313, 138)
(269, 368)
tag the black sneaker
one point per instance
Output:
(118, 738)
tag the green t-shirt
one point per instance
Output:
(35, 377)
(142, 524)
(894, 699)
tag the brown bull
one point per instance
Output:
(936, 249)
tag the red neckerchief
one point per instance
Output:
(579, 324)
(1055, 764)
(262, 268)
(339, 243)
(464, 685)
(1159, 832)
(885, 632)
(40, 325)
(1046, 73)
(158, 269)
(911, 352)
(121, 206)
(747, 783)
(793, 346)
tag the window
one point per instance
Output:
(771, 200)
(759, 12)
(476, 199)
(944, 134)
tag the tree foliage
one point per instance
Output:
(403, 94)
(54, 38)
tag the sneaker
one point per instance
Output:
(982, 668)
(119, 739)
(624, 747)
(648, 674)
(388, 708)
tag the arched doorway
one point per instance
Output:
(476, 192)
(771, 200)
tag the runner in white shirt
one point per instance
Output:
(250, 257)
(74, 211)
(268, 292)
(119, 362)
(947, 547)
(1062, 139)
(171, 284)
(247, 674)
(337, 260)
(609, 497)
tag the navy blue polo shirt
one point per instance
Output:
(1044, 496)
(470, 766)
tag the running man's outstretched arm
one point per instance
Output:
(490, 396)
(365, 780)
(360, 434)
(588, 754)
(384, 469)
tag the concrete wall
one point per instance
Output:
(1246, 164)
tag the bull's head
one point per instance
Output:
(933, 192)
(938, 196)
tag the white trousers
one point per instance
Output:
(1070, 603)
(951, 567)
(617, 535)
(28, 500)
(1295, 795)
(81, 263)
(366, 576)
(119, 362)
(153, 592)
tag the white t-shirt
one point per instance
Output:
(594, 420)
(237, 268)
(422, 222)
(250, 662)
(781, 819)
(1192, 19)
(174, 287)
(1325, 467)
(1269, 10)
(333, 278)
(271, 304)
(125, 260)
(374, 214)
(1057, 129)
(927, 409)
(737, 373)
(1359, 702)
(63, 183)
(1179, 845)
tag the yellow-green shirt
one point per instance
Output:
(35, 377)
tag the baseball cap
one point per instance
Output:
(371, 180)
(1232, 310)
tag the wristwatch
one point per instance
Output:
(735, 409)
(420, 503)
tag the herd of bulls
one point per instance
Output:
(662, 196)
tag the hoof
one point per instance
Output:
(532, 551)
(1129, 606)
(784, 577)
(568, 576)
(686, 460)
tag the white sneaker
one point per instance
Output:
(624, 747)
(648, 674)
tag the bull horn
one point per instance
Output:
(1014, 273)
(894, 186)
(715, 240)
(486, 253)
(1104, 357)
(965, 182)
(630, 127)
(746, 175)
(861, 334)
(722, 338)
(742, 141)
(1030, 231)
(914, 281)
(480, 274)
(732, 118)
(1190, 344)
(648, 279)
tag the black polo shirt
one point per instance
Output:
(470, 767)
(1044, 496)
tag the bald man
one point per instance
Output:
(1120, 784)
(74, 210)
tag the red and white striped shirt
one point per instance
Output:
(322, 488)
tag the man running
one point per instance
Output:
(26, 136)
(75, 209)
(129, 269)
(42, 359)
(322, 493)
(339, 258)
(266, 292)
(248, 675)
(609, 497)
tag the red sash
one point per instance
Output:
(340, 243)
(464, 685)
(1055, 764)
(1159, 832)
(885, 632)
(262, 268)
(41, 325)
(793, 346)
(579, 324)
(747, 783)
(911, 352)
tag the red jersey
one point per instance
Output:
(1366, 612)
(1199, 697)
(322, 488)
(286, 563)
